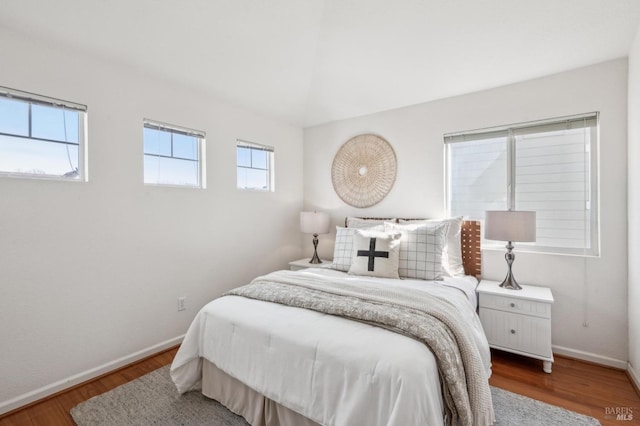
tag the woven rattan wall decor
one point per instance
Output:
(364, 170)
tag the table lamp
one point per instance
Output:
(511, 226)
(314, 223)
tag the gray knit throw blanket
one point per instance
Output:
(426, 318)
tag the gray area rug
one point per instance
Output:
(153, 400)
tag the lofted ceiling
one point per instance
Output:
(308, 62)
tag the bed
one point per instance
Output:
(320, 346)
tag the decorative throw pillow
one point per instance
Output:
(343, 247)
(375, 253)
(358, 223)
(421, 249)
(452, 257)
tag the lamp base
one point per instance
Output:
(510, 282)
(315, 259)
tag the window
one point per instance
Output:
(41, 137)
(255, 166)
(549, 167)
(173, 155)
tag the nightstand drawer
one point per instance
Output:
(515, 305)
(517, 332)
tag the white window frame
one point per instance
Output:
(34, 99)
(270, 164)
(173, 129)
(511, 184)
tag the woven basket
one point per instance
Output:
(364, 170)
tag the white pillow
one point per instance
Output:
(375, 253)
(343, 247)
(358, 223)
(452, 257)
(421, 249)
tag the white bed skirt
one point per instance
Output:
(256, 408)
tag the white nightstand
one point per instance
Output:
(297, 265)
(517, 321)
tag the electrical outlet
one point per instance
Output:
(182, 303)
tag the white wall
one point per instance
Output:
(634, 209)
(591, 290)
(90, 272)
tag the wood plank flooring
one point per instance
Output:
(575, 385)
(54, 411)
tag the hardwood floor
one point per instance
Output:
(575, 385)
(54, 411)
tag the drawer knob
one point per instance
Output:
(513, 305)
(513, 331)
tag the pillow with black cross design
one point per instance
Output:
(375, 253)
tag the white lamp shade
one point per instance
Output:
(314, 222)
(511, 225)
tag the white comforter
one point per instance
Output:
(332, 370)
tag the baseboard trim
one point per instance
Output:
(634, 377)
(76, 379)
(591, 357)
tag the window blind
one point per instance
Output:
(477, 177)
(255, 146)
(549, 167)
(39, 99)
(156, 125)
